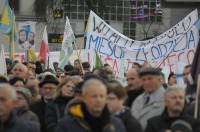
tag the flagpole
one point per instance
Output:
(48, 62)
(197, 98)
(78, 57)
(28, 63)
(82, 45)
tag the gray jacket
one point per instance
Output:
(154, 107)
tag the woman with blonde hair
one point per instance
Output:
(55, 109)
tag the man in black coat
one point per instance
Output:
(174, 101)
(134, 87)
(8, 122)
(47, 88)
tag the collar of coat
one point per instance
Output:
(75, 110)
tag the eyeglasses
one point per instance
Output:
(48, 88)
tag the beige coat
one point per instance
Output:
(154, 107)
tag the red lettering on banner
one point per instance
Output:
(180, 55)
(22, 58)
(190, 51)
(108, 58)
(168, 59)
(115, 65)
(129, 62)
(17, 56)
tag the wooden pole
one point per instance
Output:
(197, 98)
(78, 57)
(48, 62)
(28, 63)
(82, 45)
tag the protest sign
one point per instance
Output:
(26, 32)
(177, 44)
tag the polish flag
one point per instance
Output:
(44, 49)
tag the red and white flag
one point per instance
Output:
(44, 49)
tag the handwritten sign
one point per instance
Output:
(176, 44)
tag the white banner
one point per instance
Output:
(26, 33)
(54, 57)
(178, 44)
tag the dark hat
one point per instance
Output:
(181, 125)
(170, 75)
(149, 71)
(93, 76)
(26, 93)
(78, 87)
(68, 68)
(8, 60)
(48, 79)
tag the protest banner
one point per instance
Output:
(54, 56)
(26, 33)
(178, 44)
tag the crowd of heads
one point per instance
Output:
(26, 83)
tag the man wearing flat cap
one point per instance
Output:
(151, 102)
(48, 88)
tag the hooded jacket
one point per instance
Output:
(75, 121)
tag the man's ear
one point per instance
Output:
(14, 102)
(83, 98)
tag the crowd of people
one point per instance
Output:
(76, 99)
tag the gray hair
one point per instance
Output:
(173, 88)
(93, 82)
(12, 91)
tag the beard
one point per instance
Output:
(177, 108)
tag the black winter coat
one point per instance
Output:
(55, 111)
(39, 109)
(131, 123)
(76, 122)
(14, 125)
(164, 122)
(132, 95)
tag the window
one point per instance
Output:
(14, 4)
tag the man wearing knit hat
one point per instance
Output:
(48, 88)
(151, 102)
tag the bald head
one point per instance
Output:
(133, 79)
(19, 70)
